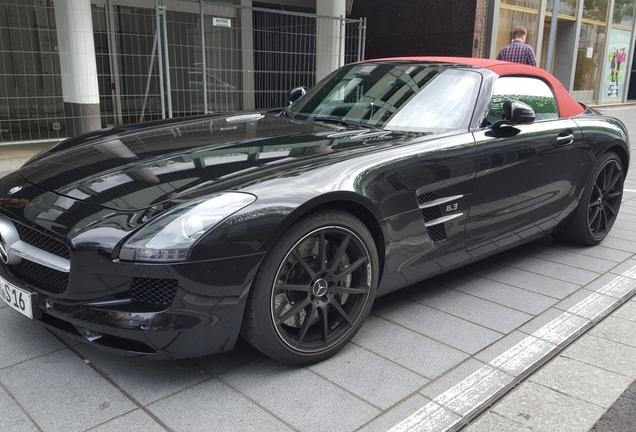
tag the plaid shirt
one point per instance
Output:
(518, 52)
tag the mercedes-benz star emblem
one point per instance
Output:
(15, 189)
(320, 288)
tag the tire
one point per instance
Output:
(596, 213)
(324, 267)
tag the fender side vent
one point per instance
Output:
(421, 199)
(437, 232)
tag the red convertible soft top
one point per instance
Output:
(567, 105)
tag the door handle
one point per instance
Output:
(566, 137)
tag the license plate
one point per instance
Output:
(17, 298)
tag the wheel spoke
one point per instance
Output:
(304, 264)
(335, 261)
(349, 269)
(308, 318)
(293, 311)
(608, 173)
(294, 287)
(613, 194)
(324, 328)
(342, 313)
(599, 221)
(614, 180)
(611, 209)
(345, 290)
(322, 250)
(594, 216)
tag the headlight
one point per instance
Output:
(170, 236)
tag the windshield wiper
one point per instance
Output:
(344, 122)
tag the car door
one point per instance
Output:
(525, 173)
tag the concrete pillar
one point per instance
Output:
(78, 65)
(247, 53)
(329, 45)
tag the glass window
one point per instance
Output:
(595, 10)
(530, 4)
(623, 12)
(448, 104)
(405, 97)
(531, 91)
(589, 62)
(509, 19)
(567, 7)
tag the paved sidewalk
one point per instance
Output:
(448, 346)
(575, 390)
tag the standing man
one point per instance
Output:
(517, 51)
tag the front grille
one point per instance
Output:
(156, 291)
(44, 278)
(42, 241)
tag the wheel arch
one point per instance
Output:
(349, 202)
(619, 148)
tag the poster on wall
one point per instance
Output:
(615, 68)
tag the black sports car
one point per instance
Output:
(170, 238)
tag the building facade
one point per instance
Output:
(593, 42)
(592, 49)
(71, 66)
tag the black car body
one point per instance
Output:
(286, 225)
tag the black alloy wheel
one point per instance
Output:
(605, 199)
(600, 202)
(314, 290)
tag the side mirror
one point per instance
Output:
(518, 112)
(297, 93)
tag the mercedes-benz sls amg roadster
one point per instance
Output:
(172, 238)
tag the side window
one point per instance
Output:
(531, 91)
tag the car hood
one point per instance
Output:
(146, 166)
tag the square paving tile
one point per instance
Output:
(471, 308)
(497, 292)
(372, 378)
(12, 418)
(541, 408)
(146, 380)
(605, 354)
(528, 280)
(445, 328)
(22, 339)
(418, 353)
(60, 389)
(137, 421)
(299, 397)
(627, 311)
(213, 406)
(617, 330)
(582, 381)
(552, 269)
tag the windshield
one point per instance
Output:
(401, 97)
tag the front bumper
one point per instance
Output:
(202, 319)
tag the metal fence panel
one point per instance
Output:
(219, 57)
